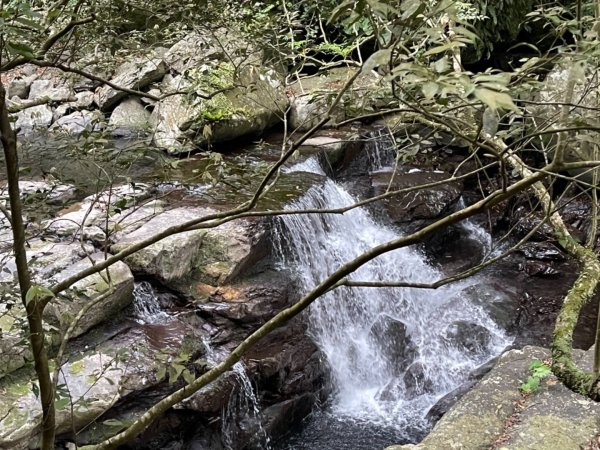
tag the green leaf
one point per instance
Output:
(340, 10)
(60, 403)
(29, 23)
(430, 89)
(37, 292)
(21, 49)
(443, 48)
(379, 58)
(115, 423)
(188, 376)
(162, 372)
(536, 363)
(495, 100)
(174, 372)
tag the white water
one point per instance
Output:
(243, 404)
(479, 233)
(146, 305)
(369, 382)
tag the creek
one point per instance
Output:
(388, 355)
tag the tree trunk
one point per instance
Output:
(34, 308)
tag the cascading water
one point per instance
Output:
(478, 233)
(243, 406)
(243, 411)
(146, 304)
(392, 353)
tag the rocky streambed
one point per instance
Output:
(215, 286)
(211, 288)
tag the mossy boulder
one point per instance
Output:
(222, 100)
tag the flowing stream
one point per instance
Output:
(392, 353)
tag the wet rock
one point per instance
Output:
(469, 337)
(288, 363)
(544, 251)
(426, 203)
(501, 304)
(417, 381)
(129, 117)
(540, 269)
(523, 221)
(458, 247)
(391, 334)
(552, 418)
(252, 301)
(135, 74)
(212, 398)
(278, 419)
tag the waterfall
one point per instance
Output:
(146, 304)
(243, 413)
(379, 148)
(391, 352)
(243, 407)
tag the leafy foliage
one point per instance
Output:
(539, 371)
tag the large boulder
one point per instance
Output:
(312, 97)
(470, 338)
(135, 74)
(94, 380)
(501, 303)
(222, 100)
(129, 117)
(391, 336)
(35, 118)
(496, 412)
(40, 89)
(78, 122)
(215, 255)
